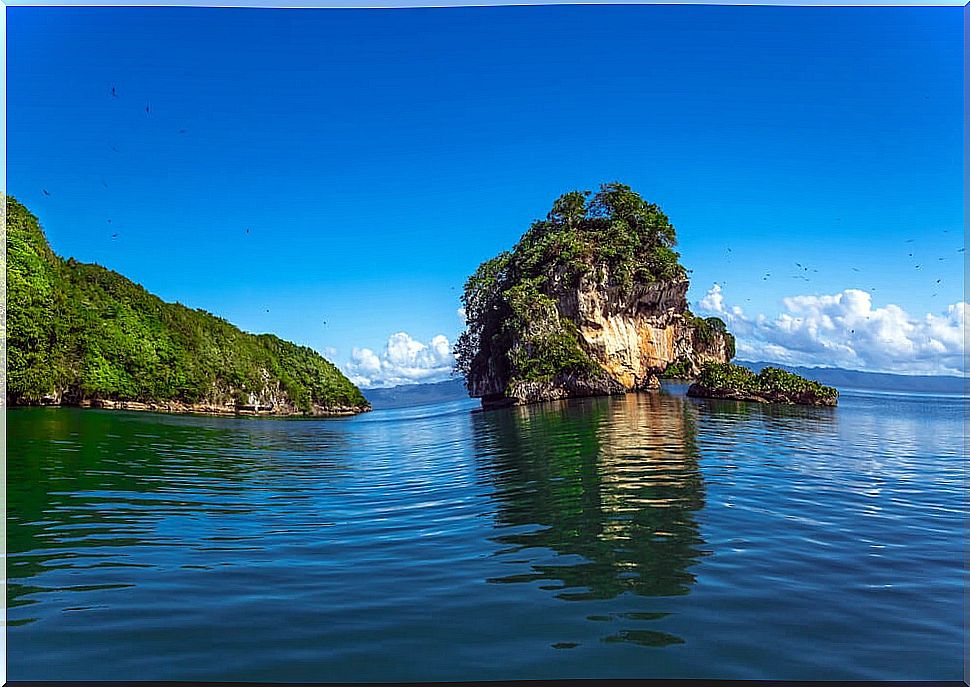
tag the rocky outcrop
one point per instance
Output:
(805, 398)
(632, 335)
(227, 408)
(771, 385)
(590, 301)
(635, 336)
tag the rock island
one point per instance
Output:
(590, 301)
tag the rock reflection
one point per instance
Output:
(612, 486)
(773, 416)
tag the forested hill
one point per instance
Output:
(81, 334)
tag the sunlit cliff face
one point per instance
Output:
(636, 336)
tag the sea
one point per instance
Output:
(642, 536)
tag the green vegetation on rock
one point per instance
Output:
(514, 331)
(679, 369)
(710, 328)
(724, 380)
(80, 331)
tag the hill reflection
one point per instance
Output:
(89, 490)
(611, 485)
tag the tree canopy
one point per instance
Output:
(612, 235)
(87, 332)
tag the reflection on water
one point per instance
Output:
(91, 488)
(649, 535)
(611, 485)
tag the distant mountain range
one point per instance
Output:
(416, 394)
(454, 389)
(874, 381)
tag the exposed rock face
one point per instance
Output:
(590, 301)
(631, 334)
(272, 402)
(635, 337)
(210, 409)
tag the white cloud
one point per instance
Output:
(403, 361)
(845, 330)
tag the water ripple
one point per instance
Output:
(644, 536)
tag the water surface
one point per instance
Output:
(642, 536)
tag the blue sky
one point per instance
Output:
(377, 156)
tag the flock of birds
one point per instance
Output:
(115, 149)
(801, 269)
(148, 112)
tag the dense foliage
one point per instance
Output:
(613, 236)
(86, 332)
(770, 382)
(681, 368)
(709, 329)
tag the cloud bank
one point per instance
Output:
(845, 330)
(402, 361)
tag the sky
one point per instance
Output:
(333, 176)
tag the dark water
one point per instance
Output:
(645, 536)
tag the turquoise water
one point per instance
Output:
(643, 536)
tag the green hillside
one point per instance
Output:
(79, 331)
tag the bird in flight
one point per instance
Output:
(961, 250)
(182, 131)
(909, 240)
(114, 92)
(114, 236)
(148, 108)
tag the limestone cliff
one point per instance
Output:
(591, 301)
